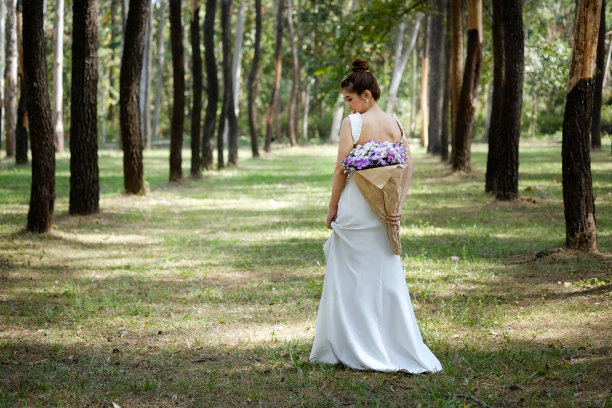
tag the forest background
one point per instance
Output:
(203, 290)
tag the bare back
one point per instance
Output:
(379, 126)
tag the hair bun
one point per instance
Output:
(360, 65)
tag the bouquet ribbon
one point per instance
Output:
(381, 187)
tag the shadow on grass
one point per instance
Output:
(514, 373)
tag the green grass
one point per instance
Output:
(206, 293)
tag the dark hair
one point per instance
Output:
(361, 79)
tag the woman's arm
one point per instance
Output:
(344, 148)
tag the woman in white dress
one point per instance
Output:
(365, 319)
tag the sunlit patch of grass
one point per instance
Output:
(205, 293)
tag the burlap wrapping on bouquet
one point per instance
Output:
(382, 187)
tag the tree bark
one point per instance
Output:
(212, 85)
(414, 106)
(253, 82)
(237, 58)
(437, 66)
(196, 110)
(401, 59)
(223, 115)
(42, 198)
(84, 178)
(424, 84)
(462, 136)
(58, 63)
(111, 70)
(606, 71)
(124, 16)
(334, 134)
(277, 75)
(227, 111)
(21, 129)
(178, 105)
(578, 200)
(2, 57)
(505, 127)
(145, 84)
(455, 60)
(131, 66)
(599, 75)
(499, 63)
(306, 108)
(445, 135)
(159, 81)
(231, 106)
(10, 79)
(293, 117)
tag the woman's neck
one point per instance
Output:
(372, 108)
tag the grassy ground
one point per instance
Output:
(206, 293)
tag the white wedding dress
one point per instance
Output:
(365, 317)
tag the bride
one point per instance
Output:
(365, 318)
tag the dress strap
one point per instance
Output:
(401, 127)
(355, 119)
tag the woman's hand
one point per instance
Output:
(394, 220)
(331, 216)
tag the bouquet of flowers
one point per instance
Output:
(374, 154)
(378, 170)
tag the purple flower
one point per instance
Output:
(374, 154)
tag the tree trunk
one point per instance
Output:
(84, 179)
(424, 83)
(456, 58)
(253, 82)
(445, 136)
(401, 59)
(111, 70)
(437, 66)
(2, 59)
(159, 82)
(532, 118)
(499, 70)
(131, 67)
(598, 86)
(223, 116)
(306, 108)
(505, 127)
(292, 123)
(58, 60)
(21, 127)
(212, 85)
(124, 16)
(10, 79)
(42, 198)
(414, 106)
(277, 75)
(178, 105)
(21, 130)
(145, 84)
(606, 71)
(196, 110)
(578, 200)
(237, 58)
(125, 6)
(334, 134)
(102, 110)
(462, 136)
(227, 111)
